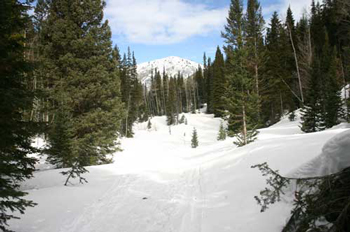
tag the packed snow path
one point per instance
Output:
(160, 184)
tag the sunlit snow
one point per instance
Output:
(160, 184)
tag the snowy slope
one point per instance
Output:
(159, 184)
(172, 66)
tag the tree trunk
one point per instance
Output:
(297, 65)
(244, 126)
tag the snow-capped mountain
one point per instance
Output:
(172, 65)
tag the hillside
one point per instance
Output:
(160, 184)
(172, 65)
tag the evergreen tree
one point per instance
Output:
(194, 140)
(254, 27)
(83, 84)
(171, 103)
(240, 97)
(198, 77)
(132, 93)
(292, 116)
(276, 91)
(222, 133)
(312, 112)
(209, 86)
(333, 102)
(16, 99)
(219, 84)
(149, 125)
(182, 119)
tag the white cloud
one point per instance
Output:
(162, 21)
(299, 7)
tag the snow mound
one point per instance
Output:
(335, 157)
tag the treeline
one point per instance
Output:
(60, 78)
(264, 73)
(291, 65)
(171, 96)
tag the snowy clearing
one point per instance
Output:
(160, 184)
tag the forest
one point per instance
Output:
(63, 79)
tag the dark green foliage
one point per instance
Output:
(15, 101)
(194, 140)
(171, 106)
(292, 116)
(222, 133)
(320, 204)
(182, 119)
(240, 98)
(60, 140)
(333, 102)
(312, 112)
(244, 139)
(149, 125)
(131, 92)
(219, 84)
(83, 86)
(254, 28)
(276, 95)
(276, 183)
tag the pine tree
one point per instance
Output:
(16, 99)
(182, 119)
(276, 91)
(312, 112)
(240, 97)
(209, 86)
(254, 41)
(292, 116)
(83, 84)
(194, 140)
(149, 125)
(333, 102)
(222, 133)
(219, 84)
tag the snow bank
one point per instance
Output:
(335, 157)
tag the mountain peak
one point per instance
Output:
(172, 65)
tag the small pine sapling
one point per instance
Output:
(292, 116)
(222, 133)
(194, 140)
(242, 140)
(149, 125)
(182, 119)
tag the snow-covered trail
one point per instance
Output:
(160, 184)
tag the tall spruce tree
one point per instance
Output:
(240, 97)
(84, 86)
(332, 100)
(219, 84)
(312, 112)
(171, 103)
(16, 99)
(276, 92)
(254, 26)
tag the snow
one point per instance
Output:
(334, 157)
(172, 65)
(160, 184)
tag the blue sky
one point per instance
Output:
(187, 28)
